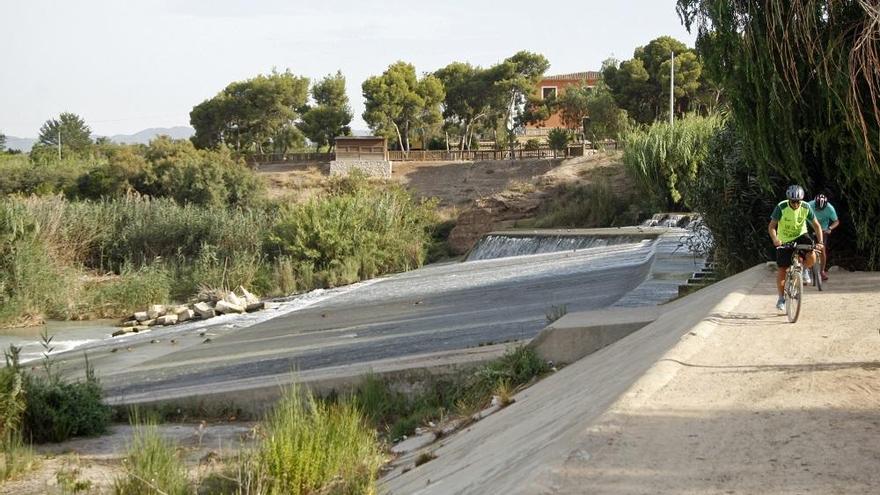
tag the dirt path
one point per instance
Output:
(756, 405)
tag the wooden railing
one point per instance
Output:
(290, 157)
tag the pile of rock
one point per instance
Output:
(209, 306)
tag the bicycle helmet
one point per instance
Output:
(821, 202)
(794, 193)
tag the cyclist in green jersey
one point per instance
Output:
(788, 224)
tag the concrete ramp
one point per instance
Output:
(513, 450)
(579, 334)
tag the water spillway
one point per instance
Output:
(514, 243)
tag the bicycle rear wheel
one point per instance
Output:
(817, 269)
(794, 288)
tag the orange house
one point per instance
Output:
(554, 86)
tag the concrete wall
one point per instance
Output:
(373, 168)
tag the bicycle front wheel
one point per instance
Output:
(794, 289)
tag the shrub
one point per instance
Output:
(558, 140)
(152, 465)
(58, 410)
(134, 290)
(359, 232)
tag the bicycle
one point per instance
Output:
(794, 281)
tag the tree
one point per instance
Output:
(558, 140)
(515, 80)
(398, 103)
(331, 114)
(641, 85)
(2, 142)
(468, 100)
(802, 79)
(72, 130)
(255, 115)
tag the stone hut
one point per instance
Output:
(368, 154)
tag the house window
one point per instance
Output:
(548, 92)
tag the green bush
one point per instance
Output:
(558, 140)
(358, 232)
(57, 410)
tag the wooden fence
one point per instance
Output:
(442, 155)
(290, 158)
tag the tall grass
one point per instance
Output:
(665, 160)
(310, 446)
(152, 465)
(157, 250)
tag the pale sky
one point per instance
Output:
(129, 65)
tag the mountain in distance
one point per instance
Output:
(17, 143)
(147, 135)
(142, 137)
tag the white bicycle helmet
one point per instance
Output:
(794, 193)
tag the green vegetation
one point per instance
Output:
(158, 250)
(330, 115)
(152, 465)
(165, 168)
(258, 115)
(587, 206)
(398, 414)
(558, 140)
(806, 115)
(400, 105)
(641, 85)
(665, 160)
(69, 131)
(305, 446)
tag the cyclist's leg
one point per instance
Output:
(783, 261)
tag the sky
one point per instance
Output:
(125, 66)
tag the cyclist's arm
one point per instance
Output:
(771, 229)
(817, 228)
(833, 225)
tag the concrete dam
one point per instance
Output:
(499, 294)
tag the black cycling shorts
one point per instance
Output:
(783, 256)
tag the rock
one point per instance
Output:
(141, 329)
(148, 323)
(122, 331)
(489, 214)
(179, 309)
(248, 297)
(166, 320)
(414, 443)
(251, 307)
(225, 307)
(185, 314)
(232, 299)
(155, 311)
(271, 305)
(141, 316)
(204, 310)
(130, 323)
